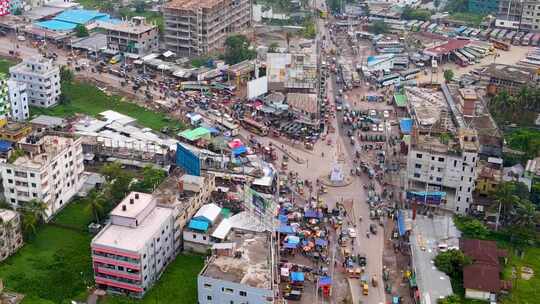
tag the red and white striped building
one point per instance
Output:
(132, 252)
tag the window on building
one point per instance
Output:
(417, 175)
(242, 293)
(418, 166)
(194, 236)
(10, 181)
(439, 169)
(227, 290)
(439, 179)
(206, 285)
(418, 155)
(441, 159)
(8, 171)
(459, 198)
(209, 298)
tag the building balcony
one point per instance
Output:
(116, 262)
(123, 285)
(118, 273)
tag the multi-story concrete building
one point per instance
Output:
(11, 238)
(509, 14)
(196, 27)
(50, 170)
(185, 194)
(18, 99)
(444, 165)
(131, 252)
(135, 36)
(509, 78)
(42, 79)
(239, 271)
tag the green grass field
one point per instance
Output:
(75, 215)
(86, 98)
(54, 266)
(177, 285)
(523, 291)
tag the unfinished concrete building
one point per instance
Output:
(197, 27)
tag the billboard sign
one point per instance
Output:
(257, 87)
(188, 161)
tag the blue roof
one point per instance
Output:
(5, 145)
(405, 124)
(55, 25)
(198, 225)
(297, 276)
(290, 246)
(80, 16)
(286, 229)
(401, 223)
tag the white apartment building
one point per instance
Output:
(42, 79)
(51, 171)
(132, 252)
(11, 238)
(448, 167)
(18, 99)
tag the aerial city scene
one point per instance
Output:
(269, 151)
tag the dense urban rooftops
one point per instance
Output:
(250, 267)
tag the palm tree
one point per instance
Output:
(39, 209)
(30, 222)
(506, 198)
(95, 201)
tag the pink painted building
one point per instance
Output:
(132, 252)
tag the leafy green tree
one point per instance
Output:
(535, 193)
(118, 182)
(452, 262)
(309, 30)
(379, 27)
(237, 49)
(471, 227)
(457, 6)
(448, 75)
(410, 13)
(66, 75)
(152, 177)
(81, 31)
(64, 99)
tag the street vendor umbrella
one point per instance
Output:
(292, 239)
(325, 281)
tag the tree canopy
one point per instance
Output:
(81, 30)
(379, 27)
(237, 49)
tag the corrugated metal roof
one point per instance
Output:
(208, 212)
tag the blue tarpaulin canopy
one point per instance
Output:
(293, 239)
(401, 223)
(239, 150)
(212, 130)
(283, 218)
(324, 281)
(286, 229)
(290, 246)
(297, 276)
(312, 214)
(405, 125)
(198, 225)
(321, 242)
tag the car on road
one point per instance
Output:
(381, 128)
(386, 114)
(374, 128)
(351, 232)
(372, 113)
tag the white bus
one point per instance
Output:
(392, 79)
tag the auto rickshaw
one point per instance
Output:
(308, 145)
(365, 289)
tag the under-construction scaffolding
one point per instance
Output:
(197, 27)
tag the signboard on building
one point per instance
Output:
(433, 198)
(257, 87)
(260, 206)
(188, 160)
